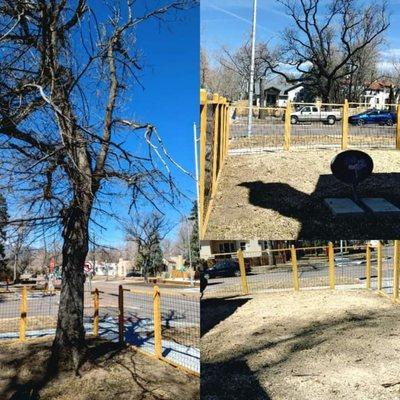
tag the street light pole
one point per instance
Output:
(251, 83)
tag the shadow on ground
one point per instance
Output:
(241, 382)
(315, 217)
(215, 310)
(109, 371)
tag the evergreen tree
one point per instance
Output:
(194, 239)
(3, 223)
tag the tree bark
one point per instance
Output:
(70, 334)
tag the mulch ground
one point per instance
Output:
(319, 345)
(279, 195)
(113, 373)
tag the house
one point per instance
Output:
(210, 248)
(121, 268)
(377, 94)
(277, 92)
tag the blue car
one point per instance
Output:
(380, 117)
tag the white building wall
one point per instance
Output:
(205, 249)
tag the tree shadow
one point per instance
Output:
(36, 357)
(243, 383)
(148, 380)
(239, 380)
(215, 310)
(316, 219)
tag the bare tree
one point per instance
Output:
(65, 70)
(325, 41)
(147, 232)
(216, 78)
(239, 62)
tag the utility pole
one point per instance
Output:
(251, 83)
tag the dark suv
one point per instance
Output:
(223, 268)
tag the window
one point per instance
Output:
(315, 109)
(242, 246)
(228, 247)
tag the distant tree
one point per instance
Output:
(238, 61)
(148, 231)
(194, 237)
(3, 224)
(326, 40)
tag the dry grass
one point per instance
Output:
(113, 373)
(279, 195)
(316, 345)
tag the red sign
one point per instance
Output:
(52, 264)
(87, 267)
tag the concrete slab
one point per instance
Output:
(380, 205)
(343, 206)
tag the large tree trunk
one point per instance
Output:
(70, 335)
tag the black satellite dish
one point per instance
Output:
(352, 167)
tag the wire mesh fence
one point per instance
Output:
(372, 128)
(266, 129)
(180, 319)
(316, 125)
(165, 325)
(356, 267)
(214, 115)
(138, 320)
(9, 313)
(220, 283)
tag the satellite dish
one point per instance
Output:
(352, 167)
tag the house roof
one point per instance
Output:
(380, 84)
(278, 83)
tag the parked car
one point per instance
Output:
(224, 268)
(380, 117)
(133, 274)
(315, 114)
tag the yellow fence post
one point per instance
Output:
(243, 276)
(221, 130)
(288, 126)
(379, 266)
(368, 265)
(295, 271)
(396, 271)
(96, 302)
(23, 314)
(331, 258)
(157, 322)
(121, 314)
(202, 157)
(398, 128)
(215, 139)
(228, 127)
(345, 125)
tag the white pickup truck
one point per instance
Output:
(314, 114)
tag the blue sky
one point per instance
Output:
(168, 100)
(229, 23)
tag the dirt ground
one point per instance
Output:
(319, 345)
(112, 373)
(279, 196)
